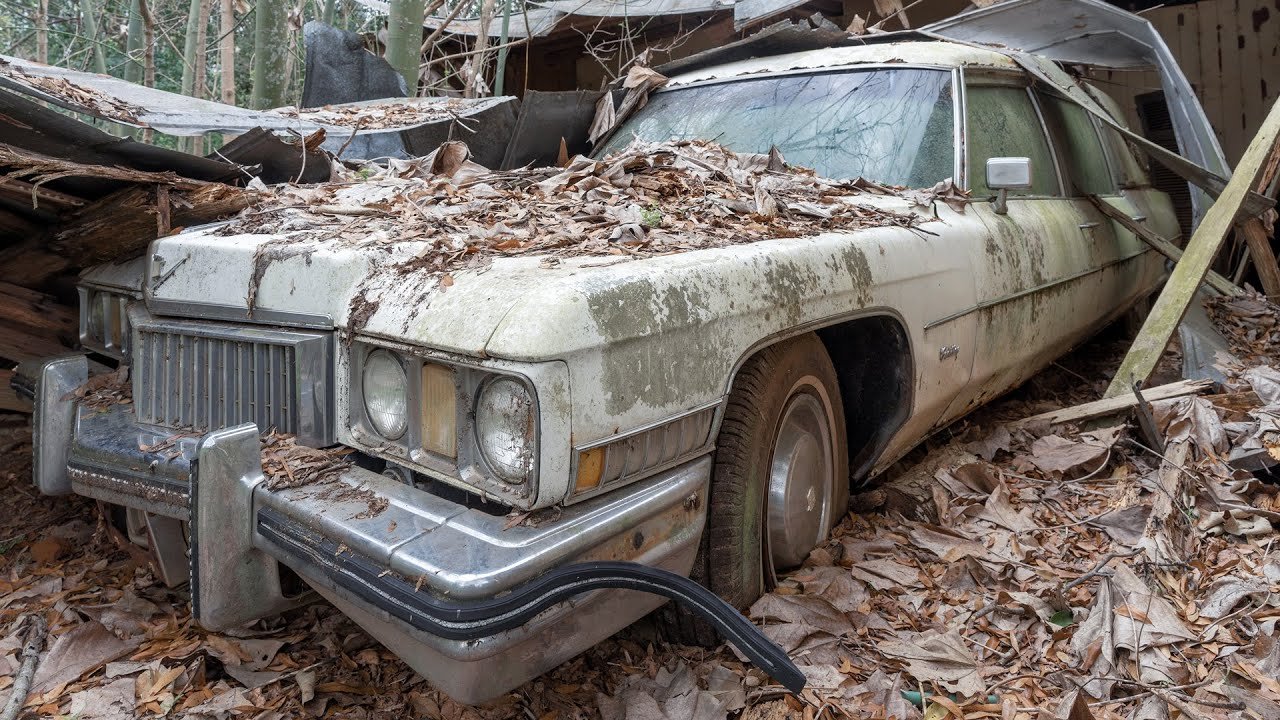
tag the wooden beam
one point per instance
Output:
(1187, 275)
(1256, 236)
(9, 400)
(1111, 406)
(1164, 247)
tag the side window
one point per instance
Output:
(1002, 122)
(1079, 147)
(1125, 161)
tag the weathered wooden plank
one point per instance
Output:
(9, 400)
(1249, 46)
(122, 224)
(1210, 70)
(1232, 73)
(35, 311)
(1161, 245)
(1111, 406)
(1196, 259)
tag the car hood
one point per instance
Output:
(383, 286)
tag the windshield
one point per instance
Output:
(889, 125)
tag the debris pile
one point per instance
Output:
(397, 113)
(649, 199)
(286, 464)
(105, 390)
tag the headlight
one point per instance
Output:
(386, 394)
(505, 429)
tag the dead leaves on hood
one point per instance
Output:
(645, 200)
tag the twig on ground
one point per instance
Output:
(1099, 568)
(36, 631)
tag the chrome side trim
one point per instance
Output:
(1031, 291)
(130, 491)
(235, 313)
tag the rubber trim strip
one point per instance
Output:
(473, 620)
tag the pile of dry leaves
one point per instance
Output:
(101, 103)
(380, 115)
(649, 199)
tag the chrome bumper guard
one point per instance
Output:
(473, 605)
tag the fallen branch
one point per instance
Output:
(36, 631)
(1099, 568)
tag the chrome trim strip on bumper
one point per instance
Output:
(110, 458)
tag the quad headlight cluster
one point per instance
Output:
(468, 423)
(104, 322)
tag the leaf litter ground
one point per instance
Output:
(1005, 570)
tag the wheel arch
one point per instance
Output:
(877, 399)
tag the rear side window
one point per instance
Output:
(1002, 122)
(1079, 147)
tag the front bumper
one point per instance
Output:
(383, 552)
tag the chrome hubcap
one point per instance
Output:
(801, 479)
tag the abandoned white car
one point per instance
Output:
(699, 413)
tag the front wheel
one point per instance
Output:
(780, 480)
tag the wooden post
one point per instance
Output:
(1190, 271)
(1255, 235)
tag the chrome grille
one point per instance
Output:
(207, 376)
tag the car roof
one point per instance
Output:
(911, 52)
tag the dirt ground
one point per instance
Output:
(1066, 572)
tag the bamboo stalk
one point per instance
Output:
(227, 51)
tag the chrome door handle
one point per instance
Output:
(1087, 225)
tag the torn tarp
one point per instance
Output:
(394, 127)
(109, 98)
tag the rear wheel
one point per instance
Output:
(780, 479)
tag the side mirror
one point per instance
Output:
(1005, 174)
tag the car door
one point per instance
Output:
(1122, 264)
(1034, 252)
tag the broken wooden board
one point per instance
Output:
(33, 324)
(1162, 246)
(1190, 271)
(122, 224)
(1256, 237)
(9, 399)
(1111, 406)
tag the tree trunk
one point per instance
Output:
(133, 44)
(270, 50)
(190, 52)
(200, 87)
(477, 60)
(404, 38)
(329, 7)
(42, 32)
(227, 51)
(148, 55)
(90, 25)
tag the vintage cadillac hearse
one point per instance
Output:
(702, 413)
